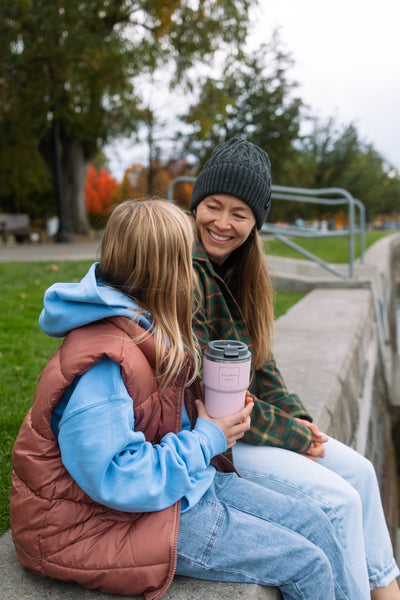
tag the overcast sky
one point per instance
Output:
(347, 62)
(346, 56)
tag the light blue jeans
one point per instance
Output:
(240, 531)
(344, 485)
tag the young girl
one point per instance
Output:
(230, 202)
(118, 481)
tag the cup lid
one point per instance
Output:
(227, 350)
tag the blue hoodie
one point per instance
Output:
(95, 422)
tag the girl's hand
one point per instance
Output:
(232, 426)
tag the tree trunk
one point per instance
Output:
(75, 167)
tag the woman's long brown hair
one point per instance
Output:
(249, 280)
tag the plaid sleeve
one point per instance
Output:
(273, 418)
(271, 388)
(270, 426)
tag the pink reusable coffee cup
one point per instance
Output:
(226, 374)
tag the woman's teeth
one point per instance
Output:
(219, 238)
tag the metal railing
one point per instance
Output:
(318, 196)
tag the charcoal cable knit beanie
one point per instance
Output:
(241, 169)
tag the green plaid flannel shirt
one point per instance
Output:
(219, 317)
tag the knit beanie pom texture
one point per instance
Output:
(241, 169)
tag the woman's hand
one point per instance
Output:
(317, 448)
(232, 426)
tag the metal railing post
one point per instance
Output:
(361, 208)
(170, 190)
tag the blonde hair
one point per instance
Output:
(146, 253)
(249, 280)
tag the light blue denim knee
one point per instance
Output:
(242, 532)
(344, 485)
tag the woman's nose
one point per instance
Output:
(223, 221)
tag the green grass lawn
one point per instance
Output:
(332, 250)
(25, 349)
(283, 301)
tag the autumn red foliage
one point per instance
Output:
(100, 188)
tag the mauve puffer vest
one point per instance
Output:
(60, 532)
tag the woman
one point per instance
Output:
(230, 202)
(118, 481)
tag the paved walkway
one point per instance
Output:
(80, 248)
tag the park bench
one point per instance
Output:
(17, 225)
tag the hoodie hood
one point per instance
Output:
(71, 305)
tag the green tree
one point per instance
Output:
(75, 64)
(335, 156)
(251, 98)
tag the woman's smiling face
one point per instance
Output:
(224, 223)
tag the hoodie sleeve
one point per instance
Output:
(114, 464)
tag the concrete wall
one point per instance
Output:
(336, 349)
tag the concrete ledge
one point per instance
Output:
(19, 584)
(321, 345)
(378, 274)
